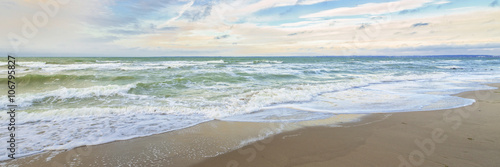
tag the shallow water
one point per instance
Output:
(69, 102)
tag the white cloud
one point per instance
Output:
(264, 4)
(71, 31)
(301, 2)
(325, 23)
(371, 8)
(442, 2)
(183, 9)
(298, 24)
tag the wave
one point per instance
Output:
(157, 96)
(31, 64)
(68, 67)
(36, 78)
(449, 67)
(196, 80)
(31, 79)
(72, 127)
(267, 61)
(90, 126)
(114, 65)
(104, 61)
(62, 94)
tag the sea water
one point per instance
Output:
(68, 102)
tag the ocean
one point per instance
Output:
(69, 102)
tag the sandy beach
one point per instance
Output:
(466, 136)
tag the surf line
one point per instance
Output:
(11, 84)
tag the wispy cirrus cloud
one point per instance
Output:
(371, 8)
(441, 2)
(265, 4)
(258, 27)
(184, 8)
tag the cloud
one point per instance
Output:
(444, 49)
(100, 39)
(297, 24)
(7, 4)
(297, 33)
(254, 39)
(441, 2)
(167, 28)
(325, 23)
(222, 36)
(108, 13)
(194, 27)
(310, 2)
(494, 3)
(370, 8)
(408, 11)
(419, 24)
(126, 32)
(197, 13)
(364, 25)
(184, 8)
(265, 4)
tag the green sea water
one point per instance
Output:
(134, 97)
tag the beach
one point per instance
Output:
(178, 111)
(465, 136)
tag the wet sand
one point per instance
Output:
(466, 136)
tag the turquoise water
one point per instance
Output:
(69, 102)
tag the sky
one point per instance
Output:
(149, 28)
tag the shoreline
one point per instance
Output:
(150, 150)
(201, 138)
(464, 136)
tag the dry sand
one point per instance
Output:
(466, 136)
